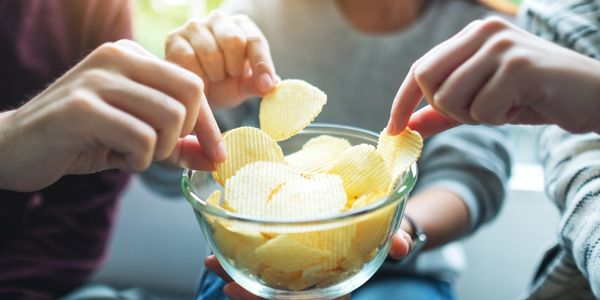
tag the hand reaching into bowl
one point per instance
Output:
(495, 73)
(120, 107)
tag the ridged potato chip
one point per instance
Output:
(249, 190)
(307, 197)
(246, 145)
(363, 170)
(337, 242)
(238, 243)
(367, 199)
(286, 254)
(372, 230)
(318, 154)
(290, 107)
(214, 199)
(276, 278)
(399, 152)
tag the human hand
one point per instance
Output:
(121, 108)
(230, 53)
(495, 73)
(232, 289)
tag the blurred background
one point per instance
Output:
(158, 246)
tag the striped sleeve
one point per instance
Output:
(572, 173)
(574, 24)
(474, 163)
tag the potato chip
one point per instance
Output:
(246, 145)
(318, 154)
(214, 199)
(372, 230)
(249, 190)
(367, 199)
(238, 244)
(286, 254)
(312, 276)
(276, 278)
(337, 242)
(399, 152)
(307, 197)
(363, 170)
(290, 107)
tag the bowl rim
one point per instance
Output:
(405, 184)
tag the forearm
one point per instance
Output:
(572, 170)
(442, 214)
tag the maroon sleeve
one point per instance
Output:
(51, 241)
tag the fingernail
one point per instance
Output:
(265, 83)
(220, 154)
(391, 130)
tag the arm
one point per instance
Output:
(463, 174)
(572, 171)
(109, 111)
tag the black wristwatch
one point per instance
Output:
(419, 238)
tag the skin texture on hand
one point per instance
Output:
(121, 108)
(229, 53)
(494, 73)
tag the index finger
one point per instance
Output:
(258, 55)
(408, 97)
(208, 133)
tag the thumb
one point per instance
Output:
(427, 121)
(401, 243)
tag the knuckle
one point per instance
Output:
(81, 102)
(491, 24)
(180, 56)
(193, 85)
(501, 43)
(422, 74)
(175, 111)
(173, 38)
(517, 62)
(145, 140)
(108, 50)
(232, 42)
(94, 78)
(194, 25)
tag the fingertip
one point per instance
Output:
(400, 246)
(220, 153)
(265, 83)
(392, 128)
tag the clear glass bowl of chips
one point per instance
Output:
(311, 258)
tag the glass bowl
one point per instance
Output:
(320, 258)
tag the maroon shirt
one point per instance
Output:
(53, 239)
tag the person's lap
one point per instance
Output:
(381, 286)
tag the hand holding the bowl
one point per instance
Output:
(230, 53)
(495, 73)
(121, 108)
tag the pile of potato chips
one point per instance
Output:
(326, 177)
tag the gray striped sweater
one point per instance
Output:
(570, 270)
